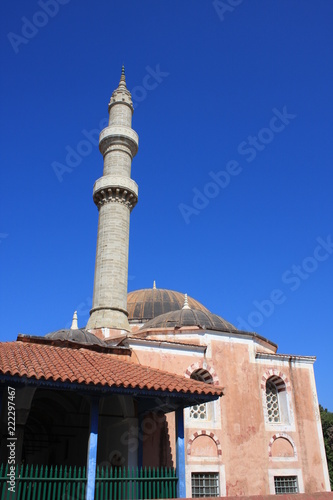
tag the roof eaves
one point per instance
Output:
(255, 336)
(70, 344)
(215, 393)
(286, 357)
(163, 343)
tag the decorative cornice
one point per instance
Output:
(115, 194)
(117, 98)
(285, 357)
(109, 308)
(148, 344)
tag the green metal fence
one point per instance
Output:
(131, 483)
(43, 483)
(69, 483)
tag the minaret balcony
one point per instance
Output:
(118, 135)
(115, 188)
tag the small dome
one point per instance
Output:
(80, 336)
(144, 305)
(190, 317)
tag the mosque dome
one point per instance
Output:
(190, 317)
(79, 335)
(144, 305)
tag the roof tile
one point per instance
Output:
(42, 361)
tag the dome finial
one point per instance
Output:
(186, 306)
(74, 322)
(154, 285)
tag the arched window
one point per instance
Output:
(202, 375)
(272, 402)
(200, 412)
(276, 401)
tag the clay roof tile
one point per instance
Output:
(82, 366)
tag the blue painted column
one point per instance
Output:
(92, 449)
(180, 453)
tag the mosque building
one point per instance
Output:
(157, 380)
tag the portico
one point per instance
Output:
(78, 405)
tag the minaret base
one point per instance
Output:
(109, 335)
(108, 318)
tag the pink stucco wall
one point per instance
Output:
(304, 496)
(236, 440)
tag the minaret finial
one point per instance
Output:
(74, 322)
(121, 95)
(186, 306)
(154, 285)
(122, 78)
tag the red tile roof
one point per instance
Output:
(83, 366)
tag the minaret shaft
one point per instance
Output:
(120, 115)
(111, 268)
(115, 195)
(117, 162)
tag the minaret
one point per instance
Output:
(115, 195)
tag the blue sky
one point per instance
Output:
(233, 107)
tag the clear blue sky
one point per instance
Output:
(234, 114)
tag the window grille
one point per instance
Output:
(272, 402)
(205, 484)
(199, 411)
(285, 484)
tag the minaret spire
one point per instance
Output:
(115, 195)
(122, 77)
